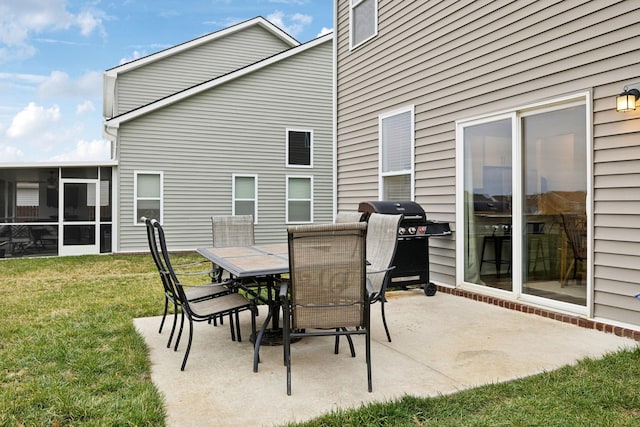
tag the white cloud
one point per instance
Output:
(32, 120)
(291, 24)
(86, 151)
(84, 107)
(88, 22)
(59, 84)
(11, 154)
(135, 55)
(19, 20)
(324, 31)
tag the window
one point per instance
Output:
(245, 190)
(299, 148)
(299, 199)
(148, 196)
(396, 155)
(363, 21)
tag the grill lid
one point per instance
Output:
(410, 209)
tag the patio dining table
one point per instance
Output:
(250, 262)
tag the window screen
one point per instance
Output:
(363, 20)
(299, 148)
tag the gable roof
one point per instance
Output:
(260, 21)
(114, 122)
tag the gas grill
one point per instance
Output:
(412, 254)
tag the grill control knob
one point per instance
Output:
(412, 230)
(401, 231)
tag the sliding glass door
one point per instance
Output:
(523, 198)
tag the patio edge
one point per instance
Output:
(562, 317)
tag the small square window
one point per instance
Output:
(299, 147)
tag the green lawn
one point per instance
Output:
(70, 356)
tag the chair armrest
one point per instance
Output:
(384, 270)
(195, 273)
(204, 285)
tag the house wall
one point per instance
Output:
(238, 127)
(459, 59)
(187, 68)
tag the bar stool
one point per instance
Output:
(501, 234)
(535, 247)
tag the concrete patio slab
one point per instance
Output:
(441, 344)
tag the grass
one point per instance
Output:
(70, 356)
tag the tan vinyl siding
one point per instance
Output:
(616, 197)
(238, 127)
(187, 68)
(460, 59)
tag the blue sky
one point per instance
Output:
(53, 54)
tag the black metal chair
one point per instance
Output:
(326, 294)
(193, 293)
(202, 310)
(382, 242)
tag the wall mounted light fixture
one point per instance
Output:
(626, 101)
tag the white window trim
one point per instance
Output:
(255, 192)
(352, 6)
(286, 154)
(135, 195)
(411, 170)
(287, 200)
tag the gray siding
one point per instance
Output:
(493, 56)
(238, 127)
(187, 68)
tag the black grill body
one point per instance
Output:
(412, 254)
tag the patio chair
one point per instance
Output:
(575, 226)
(343, 216)
(193, 293)
(231, 230)
(326, 294)
(382, 242)
(202, 310)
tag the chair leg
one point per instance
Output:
(186, 353)
(350, 341)
(238, 326)
(175, 348)
(287, 349)
(384, 320)
(368, 357)
(164, 314)
(173, 325)
(231, 327)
